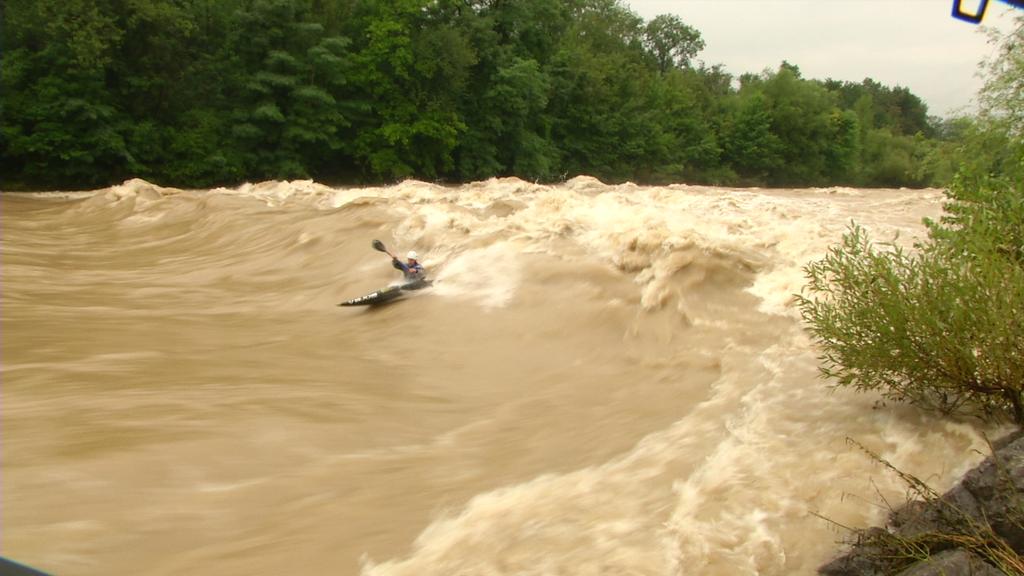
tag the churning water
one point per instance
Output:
(604, 380)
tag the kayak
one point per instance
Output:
(388, 294)
(12, 568)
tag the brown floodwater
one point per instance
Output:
(603, 380)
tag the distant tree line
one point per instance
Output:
(195, 93)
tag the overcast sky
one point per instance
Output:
(912, 43)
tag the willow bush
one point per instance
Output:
(942, 325)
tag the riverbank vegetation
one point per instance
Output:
(196, 93)
(942, 325)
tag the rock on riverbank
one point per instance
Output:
(987, 503)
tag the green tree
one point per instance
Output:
(506, 103)
(893, 139)
(62, 125)
(682, 145)
(672, 43)
(842, 156)
(204, 92)
(174, 78)
(407, 74)
(515, 102)
(750, 146)
(530, 29)
(289, 118)
(891, 160)
(801, 118)
(601, 94)
(898, 109)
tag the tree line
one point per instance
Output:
(197, 93)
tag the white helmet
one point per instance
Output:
(412, 255)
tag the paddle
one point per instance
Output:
(379, 246)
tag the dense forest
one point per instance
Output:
(196, 93)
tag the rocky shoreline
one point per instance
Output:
(975, 529)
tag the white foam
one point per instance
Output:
(486, 275)
(732, 488)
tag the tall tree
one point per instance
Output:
(672, 43)
(750, 147)
(801, 119)
(174, 79)
(515, 101)
(406, 73)
(599, 99)
(506, 105)
(289, 116)
(62, 125)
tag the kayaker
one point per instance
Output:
(412, 269)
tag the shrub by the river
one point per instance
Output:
(942, 325)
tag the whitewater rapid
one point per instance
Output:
(603, 380)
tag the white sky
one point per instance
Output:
(912, 43)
